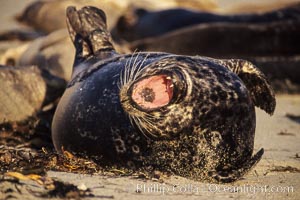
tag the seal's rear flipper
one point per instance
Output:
(256, 82)
(235, 174)
(89, 24)
(89, 34)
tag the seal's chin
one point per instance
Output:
(153, 92)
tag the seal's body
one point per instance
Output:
(137, 24)
(192, 116)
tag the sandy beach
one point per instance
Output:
(276, 176)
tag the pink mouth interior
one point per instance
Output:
(153, 92)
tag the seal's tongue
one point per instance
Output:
(153, 92)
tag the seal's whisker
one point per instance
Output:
(149, 123)
(139, 125)
(119, 85)
(150, 116)
(131, 120)
(133, 67)
(122, 78)
(146, 129)
(128, 69)
(149, 131)
(123, 74)
(139, 69)
(146, 124)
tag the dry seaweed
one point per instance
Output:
(27, 153)
(285, 169)
(285, 133)
(26, 147)
(64, 190)
(52, 188)
(27, 161)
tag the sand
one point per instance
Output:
(275, 177)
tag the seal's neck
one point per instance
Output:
(83, 64)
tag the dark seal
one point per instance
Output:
(138, 24)
(190, 116)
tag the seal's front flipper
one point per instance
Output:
(256, 82)
(235, 174)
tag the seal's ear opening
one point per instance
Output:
(256, 82)
(235, 174)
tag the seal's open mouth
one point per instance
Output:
(153, 92)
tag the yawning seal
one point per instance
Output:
(190, 116)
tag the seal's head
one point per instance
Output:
(154, 98)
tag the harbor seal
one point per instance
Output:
(137, 24)
(25, 90)
(250, 40)
(191, 116)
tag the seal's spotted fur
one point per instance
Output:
(205, 132)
